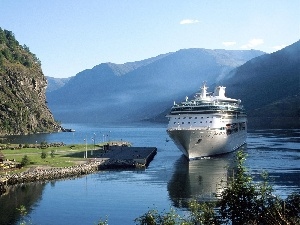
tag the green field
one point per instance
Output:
(62, 156)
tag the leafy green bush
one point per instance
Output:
(43, 155)
(241, 202)
(153, 217)
(25, 161)
(52, 154)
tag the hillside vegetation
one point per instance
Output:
(23, 106)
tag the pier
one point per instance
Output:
(112, 156)
(118, 157)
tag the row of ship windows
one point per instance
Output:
(190, 122)
(192, 117)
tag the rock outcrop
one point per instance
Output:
(23, 108)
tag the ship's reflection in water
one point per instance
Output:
(201, 179)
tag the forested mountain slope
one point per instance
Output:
(269, 87)
(23, 106)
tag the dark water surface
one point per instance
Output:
(169, 181)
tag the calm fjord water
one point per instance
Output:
(169, 181)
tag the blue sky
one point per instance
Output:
(69, 36)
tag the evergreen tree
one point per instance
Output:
(2, 36)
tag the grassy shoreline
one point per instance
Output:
(62, 156)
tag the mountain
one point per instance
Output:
(269, 87)
(139, 90)
(56, 83)
(23, 106)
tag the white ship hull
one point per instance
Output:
(208, 125)
(201, 143)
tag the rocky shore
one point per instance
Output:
(45, 174)
(117, 157)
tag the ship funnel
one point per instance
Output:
(220, 92)
(203, 91)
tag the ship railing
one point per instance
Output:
(191, 128)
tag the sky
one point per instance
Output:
(69, 36)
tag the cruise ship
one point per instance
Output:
(209, 124)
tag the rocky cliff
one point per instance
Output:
(23, 106)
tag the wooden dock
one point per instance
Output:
(117, 157)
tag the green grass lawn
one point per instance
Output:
(62, 156)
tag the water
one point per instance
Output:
(169, 181)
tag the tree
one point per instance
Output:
(25, 161)
(11, 40)
(52, 154)
(289, 210)
(203, 213)
(242, 202)
(152, 217)
(44, 144)
(2, 36)
(7, 54)
(103, 222)
(26, 48)
(238, 202)
(292, 205)
(43, 155)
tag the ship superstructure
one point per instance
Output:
(209, 124)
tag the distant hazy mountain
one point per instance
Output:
(269, 87)
(56, 83)
(141, 90)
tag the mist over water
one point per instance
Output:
(169, 181)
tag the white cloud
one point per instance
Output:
(278, 47)
(229, 43)
(188, 21)
(253, 43)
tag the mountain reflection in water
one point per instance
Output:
(170, 180)
(27, 195)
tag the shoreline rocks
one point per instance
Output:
(42, 174)
(119, 158)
